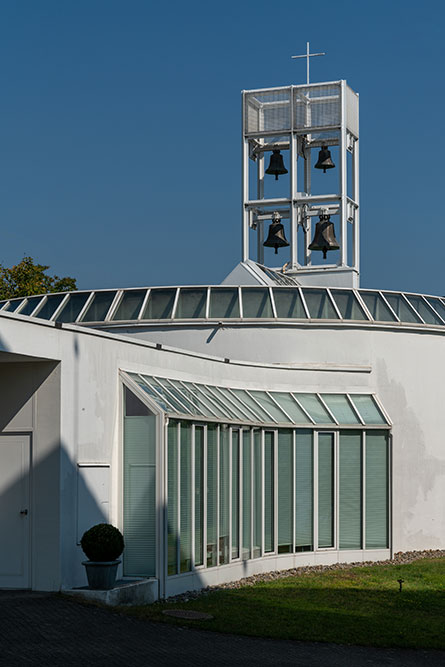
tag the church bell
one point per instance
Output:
(324, 237)
(276, 165)
(276, 238)
(324, 160)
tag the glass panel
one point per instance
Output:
(224, 302)
(285, 491)
(229, 413)
(172, 491)
(159, 305)
(2, 303)
(212, 495)
(376, 490)
(220, 394)
(191, 303)
(248, 400)
(325, 490)
(268, 404)
(319, 304)
(177, 397)
(130, 305)
(316, 410)
(350, 490)
(242, 410)
(303, 491)
(401, 308)
(368, 409)
(140, 496)
(49, 307)
(377, 307)
(199, 494)
(133, 406)
(257, 495)
(13, 305)
(177, 407)
(269, 508)
(186, 498)
(247, 498)
(201, 400)
(224, 498)
(437, 305)
(291, 407)
(339, 406)
(424, 311)
(30, 305)
(288, 303)
(148, 390)
(99, 307)
(71, 310)
(235, 494)
(256, 302)
(348, 305)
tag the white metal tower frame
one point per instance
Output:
(297, 119)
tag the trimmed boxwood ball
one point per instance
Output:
(102, 542)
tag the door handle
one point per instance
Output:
(24, 512)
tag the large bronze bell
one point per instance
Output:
(276, 238)
(324, 237)
(324, 160)
(276, 165)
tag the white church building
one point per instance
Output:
(286, 417)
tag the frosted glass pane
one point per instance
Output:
(224, 302)
(285, 491)
(185, 533)
(423, 309)
(269, 505)
(401, 308)
(367, 409)
(377, 307)
(49, 307)
(100, 306)
(140, 496)
(350, 511)
(172, 502)
(71, 310)
(316, 410)
(235, 493)
(247, 497)
(224, 497)
(339, 406)
(348, 305)
(288, 303)
(199, 494)
(159, 305)
(303, 491)
(376, 490)
(319, 304)
(293, 410)
(130, 305)
(325, 490)
(191, 303)
(212, 496)
(256, 302)
(257, 495)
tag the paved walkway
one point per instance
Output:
(51, 631)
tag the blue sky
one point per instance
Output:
(120, 131)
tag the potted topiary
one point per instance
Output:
(102, 545)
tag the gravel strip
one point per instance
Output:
(400, 558)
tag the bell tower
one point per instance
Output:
(300, 176)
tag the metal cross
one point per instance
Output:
(308, 55)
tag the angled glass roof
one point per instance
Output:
(113, 308)
(251, 406)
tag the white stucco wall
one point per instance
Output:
(404, 367)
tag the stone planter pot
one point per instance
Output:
(101, 575)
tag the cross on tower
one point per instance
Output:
(308, 55)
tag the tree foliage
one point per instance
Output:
(28, 278)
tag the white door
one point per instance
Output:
(14, 511)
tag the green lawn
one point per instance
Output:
(360, 605)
